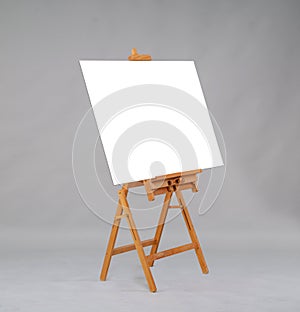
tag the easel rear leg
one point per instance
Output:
(192, 233)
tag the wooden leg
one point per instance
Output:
(137, 241)
(192, 232)
(111, 243)
(160, 226)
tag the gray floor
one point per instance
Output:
(58, 271)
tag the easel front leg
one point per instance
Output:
(137, 241)
(111, 243)
(192, 232)
(160, 225)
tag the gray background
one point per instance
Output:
(51, 245)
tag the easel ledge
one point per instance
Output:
(166, 183)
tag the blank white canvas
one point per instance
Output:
(152, 117)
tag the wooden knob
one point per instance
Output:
(138, 57)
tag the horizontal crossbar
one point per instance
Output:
(121, 216)
(170, 252)
(125, 248)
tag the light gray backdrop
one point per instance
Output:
(247, 56)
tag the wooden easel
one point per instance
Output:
(168, 185)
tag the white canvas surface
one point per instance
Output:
(152, 117)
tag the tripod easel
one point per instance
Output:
(168, 185)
